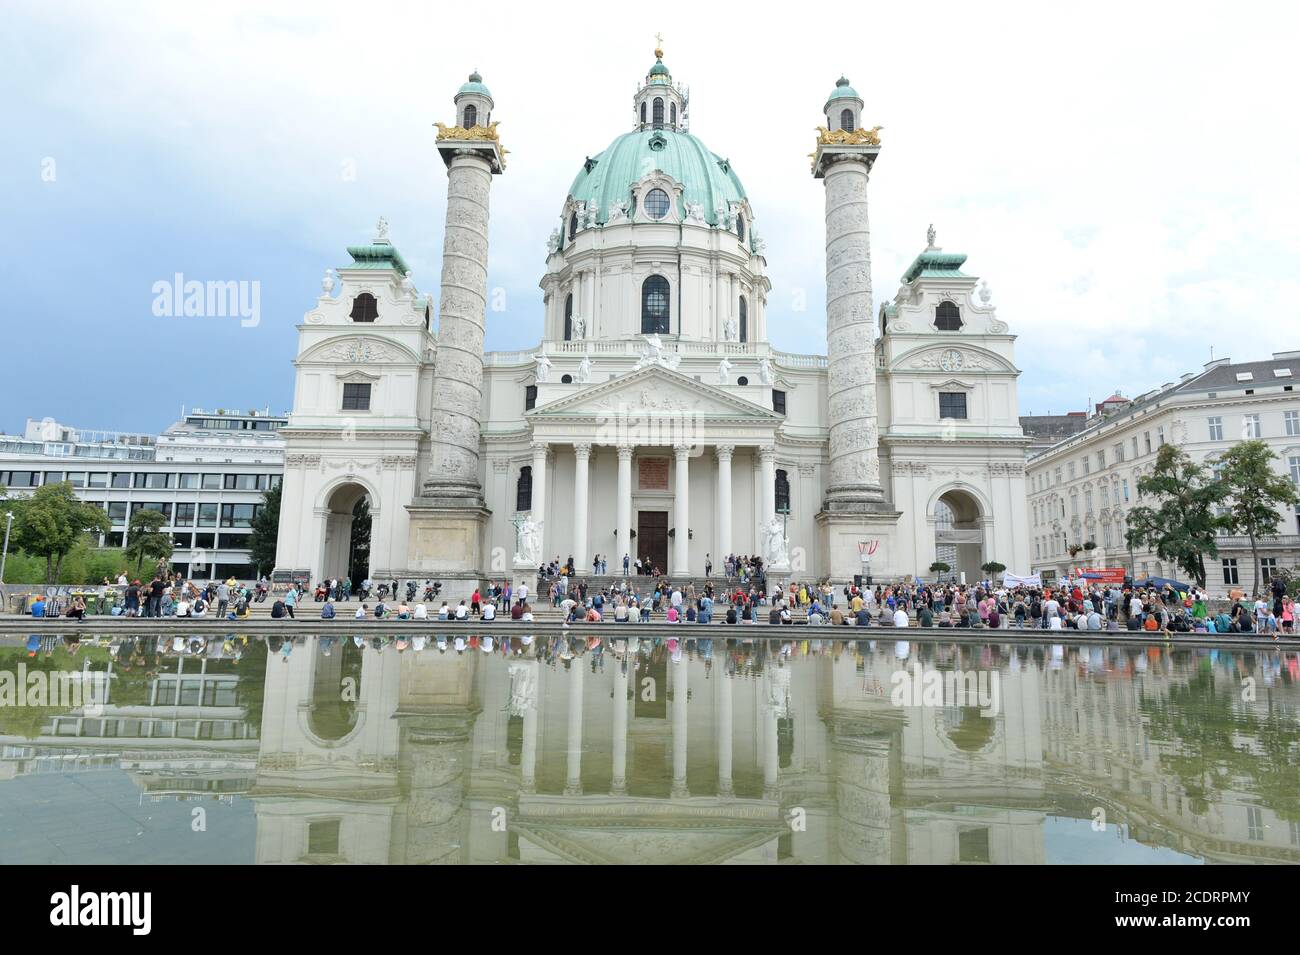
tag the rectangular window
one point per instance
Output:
(117, 512)
(1292, 421)
(242, 482)
(1254, 824)
(1105, 495)
(1160, 435)
(1216, 428)
(20, 478)
(1087, 502)
(185, 515)
(97, 479)
(1058, 475)
(1267, 568)
(53, 477)
(77, 478)
(1146, 441)
(1293, 462)
(121, 479)
(187, 482)
(207, 515)
(778, 401)
(530, 397)
(212, 482)
(1250, 427)
(1074, 505)
(1072, 471)
(158, 482)
(236, 515)
(1230, 570)
(1087, 464)
(1124, 486)
(1101, 460)
(356, 396)
(1119, 453)
(952, 404)
(1134, 439)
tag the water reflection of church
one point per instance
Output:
(714, 757)
(726, 754)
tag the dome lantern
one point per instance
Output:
(659, 104)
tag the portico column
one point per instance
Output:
(573, 780)
(724, 452)
(624, 528)
(680, 694)
(618, 784)
(581, 457)
(682, 505)
(767, 456)
(540, 451)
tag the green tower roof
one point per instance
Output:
(843, 90)
(607, 177)
(378, 255)
(475, 85)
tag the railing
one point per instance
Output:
(1264, 543)
(635, 347)
(790, 360)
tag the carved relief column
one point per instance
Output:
(624, 526)
(682, 510)
(850, 334)
(581, 460)
(724, 453)
(458, 374)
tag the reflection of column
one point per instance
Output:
(680, 694)
(724, 733)
(861, 771)
(771, 759)
(618, 786)
(581, 459)
(528, 771)
(540, 449)
(682, 505)
(768, 498)
(573, 783)
(624, 529)
(724, 452)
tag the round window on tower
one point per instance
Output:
(566, 380)
(656, 204)
(742, 380)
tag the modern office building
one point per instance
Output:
(1081, 489)
(207, 473)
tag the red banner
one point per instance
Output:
(1105, 575)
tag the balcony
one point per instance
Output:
(1281, 542)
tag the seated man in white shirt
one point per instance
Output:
(421, 612)
(462, 612)
(361, 613)
(444, 612)
(900, 618)
(183, 607)
(489, 612)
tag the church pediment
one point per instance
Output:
(651, 392)
(666, 843)
(358, 350)
(952, 357)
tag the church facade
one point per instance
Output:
(653, 419)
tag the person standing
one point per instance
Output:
(626, 565)
(290, 600)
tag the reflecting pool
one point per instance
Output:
(575, 749)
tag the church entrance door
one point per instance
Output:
(652, 537)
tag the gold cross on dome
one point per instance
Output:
(659, 45)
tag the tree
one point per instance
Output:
(993, 568)
(1255, 492)
(146, 538)
(359, 559)
(50, 523)
(266, 531)
(1182, 524)
(939, 567)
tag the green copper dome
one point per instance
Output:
(843, 91)
(659, 69)
(607, 177)
(475, 85)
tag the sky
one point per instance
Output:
(1124, 176)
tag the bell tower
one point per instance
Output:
(658, 103)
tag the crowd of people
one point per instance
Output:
(741, 599)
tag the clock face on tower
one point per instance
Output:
(950, 360)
